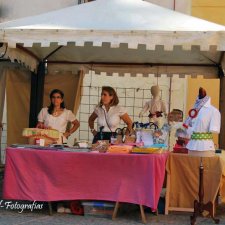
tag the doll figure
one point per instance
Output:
(156, 107)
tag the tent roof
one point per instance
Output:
(115, 31)
(133, 15)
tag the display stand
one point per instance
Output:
(199, 206)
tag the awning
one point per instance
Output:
(128, 33)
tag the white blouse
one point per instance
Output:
(207, 120)
(56, 122)
(112, 117)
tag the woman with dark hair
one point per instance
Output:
(108, 114)
(56, 116)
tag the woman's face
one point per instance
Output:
(56, 99)
(106, 98)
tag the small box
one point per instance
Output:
(180, 150)
(103, 209)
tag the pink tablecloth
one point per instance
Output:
(44, 175)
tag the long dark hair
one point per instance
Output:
(111, 91)
(51, 106)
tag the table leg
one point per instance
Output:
(115, 210)
(143, 214)
(167, 194)
(50, 208)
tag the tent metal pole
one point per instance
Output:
(128, 64)
(222, 105)
(27, 51)
(37, 93)
(52, 53)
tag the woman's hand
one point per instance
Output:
(91, 121)
(66, 134)
(94, 132)
(40, 125)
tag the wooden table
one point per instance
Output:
(48, 175)
(183, 180)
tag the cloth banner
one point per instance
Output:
(18, 103)
(67, 82)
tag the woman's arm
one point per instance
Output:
(41, 118)
(91, 121)
(75, 126)
(126, 119)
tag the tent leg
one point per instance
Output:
(37, 93)
(222, 111)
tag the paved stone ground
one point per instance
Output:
(125, 216)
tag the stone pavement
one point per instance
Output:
(125, 217)
(8, 217)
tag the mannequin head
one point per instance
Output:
(201, 93)
(155, 91)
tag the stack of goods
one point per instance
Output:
(149, 134)
(100, 146)
(98, 208)
(144, 133)
(156, 148)
(47, 136)
(160, 136)
(120, 149)
(121, 137)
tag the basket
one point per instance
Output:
(50, 136)
(128, 139)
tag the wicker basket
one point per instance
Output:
(128, 139)
(50, 136)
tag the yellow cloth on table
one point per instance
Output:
(147, 150)
(183, 171)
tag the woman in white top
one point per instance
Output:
(108, 114)
(56, 116)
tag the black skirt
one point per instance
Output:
(103, 136)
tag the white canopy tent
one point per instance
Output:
(125, 36)
(114, 36)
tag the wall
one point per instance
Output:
(183, 6)
(212, 10)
